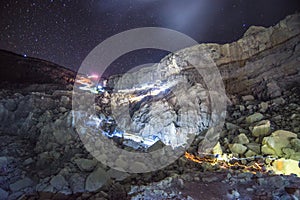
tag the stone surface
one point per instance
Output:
(263, 106)
(295, 156)
(248, 98)
(286, 166)
(261, 129)
(241, 139)
(59, 182)
(21, 184)
(254, 147)
(117, 175)
(86, 164)
(3, 194)
(96, 180)
(254, 118)
(237, 148)
(231, 126)
(278, 140)
(250, 153)
(296, 144)
(76, 183)
(3, 162)
(217, 149)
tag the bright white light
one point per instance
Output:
(93, 76)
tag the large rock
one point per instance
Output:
(117, 175)
(241, 139)
(86, 164)
(285, 166)
(76, 183)
(261, 129)
(237, 148)
(59, 182)
(254, 118)
(96, 180)
(3, 194)
(61, 132)
(279, 139)
(245, 64)
(248, 98)
(254, 147)
(3, 162)
(217, 150)
(21, 184)
(296, 144)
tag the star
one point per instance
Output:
(73, 28)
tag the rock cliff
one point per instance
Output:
(263, 62)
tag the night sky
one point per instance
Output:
(65, 31)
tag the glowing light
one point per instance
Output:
(278, 166)
(93, 76)
(223, 163)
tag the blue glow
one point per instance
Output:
(99, 88)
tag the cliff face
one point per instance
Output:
(264, 62)
(174, 97)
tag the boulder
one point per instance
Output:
(3, 194)
(21, 184)
(273, 90)
(254, 118)
(237, 148)
(117, 175)
(295, 156)
(273, 144)
(86, 164)
(241, 139)
(217, 149)
(296, 144)
(288, 152)
(76, 183)
(278, 101)
(230, 126)
(250, 153)
(11, 105)
(3, 162)
(96, 180)
(263, 107)
(248, 98)
(59, 182)
(285, 166)
(261, 129)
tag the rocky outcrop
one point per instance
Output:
(175, 97)
(263, 63)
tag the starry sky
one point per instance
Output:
(65, 31)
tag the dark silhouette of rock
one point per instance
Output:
(17, 70)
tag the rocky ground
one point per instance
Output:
(56, 165)
(42, 156)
